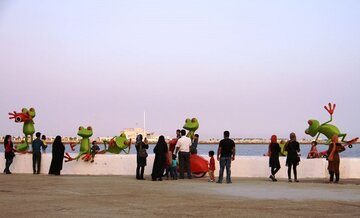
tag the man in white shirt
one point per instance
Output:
(183, 147)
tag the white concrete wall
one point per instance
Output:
(243, 166)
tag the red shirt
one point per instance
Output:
(8, 147)
(212, 164)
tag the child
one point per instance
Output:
(43, 139)
(313, 152)
(94, 149)
(173, 172)
(211, 166)
(168, 166)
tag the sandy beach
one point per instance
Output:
(27, 195)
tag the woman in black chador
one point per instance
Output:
(57, 156)
(160, 151)
(292, 160)
(274, 163)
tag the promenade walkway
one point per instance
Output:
(27, 195)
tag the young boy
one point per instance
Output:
(43, 139)
(173, 172)
(211, 166)
(94, 149)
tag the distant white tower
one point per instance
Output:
(144, 125)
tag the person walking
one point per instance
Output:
(183, 148)
(37, 145)
(159, 165)
(293, 159)
(225, 154)
(58, 150)
(334, 158)
(9, 153)
(274, 163)
(141, 147)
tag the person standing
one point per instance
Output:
(334, 158)
(159, 165)
(43, 138)
(37, 144)
(58, 150)
(173, 172)
(9, 153)
(193, 148)
(183, 148)
(292, 147)
(141, 147)
(274, 163)
(225, 154)
(178, 134)
(172, 142)
(211, 166)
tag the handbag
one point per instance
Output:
(142, 151)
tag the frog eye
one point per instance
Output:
(89, 128)
(193, 120)
(24, 110)
(80, 128)
(187, 120)
(310, 122)
(32, 109)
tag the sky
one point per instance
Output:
(255, 68)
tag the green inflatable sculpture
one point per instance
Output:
(329, 130)
(85, 145)
(117, 144)
(26, 116)
(191, 125)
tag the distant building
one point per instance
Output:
(131, 133)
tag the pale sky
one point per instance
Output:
(255, 68)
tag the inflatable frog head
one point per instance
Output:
(313, 127)
(85, 133)
(191, 124)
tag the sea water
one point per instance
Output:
(241, 149)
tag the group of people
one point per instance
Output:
(292, 160)
(38, 145)
(166, 157)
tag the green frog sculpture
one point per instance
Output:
(85, 145)
(117, 144)
(191, 125)
(329, 130)
(26, 116)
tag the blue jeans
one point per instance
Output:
(173, 172)
(7, 165)
(225, 162)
